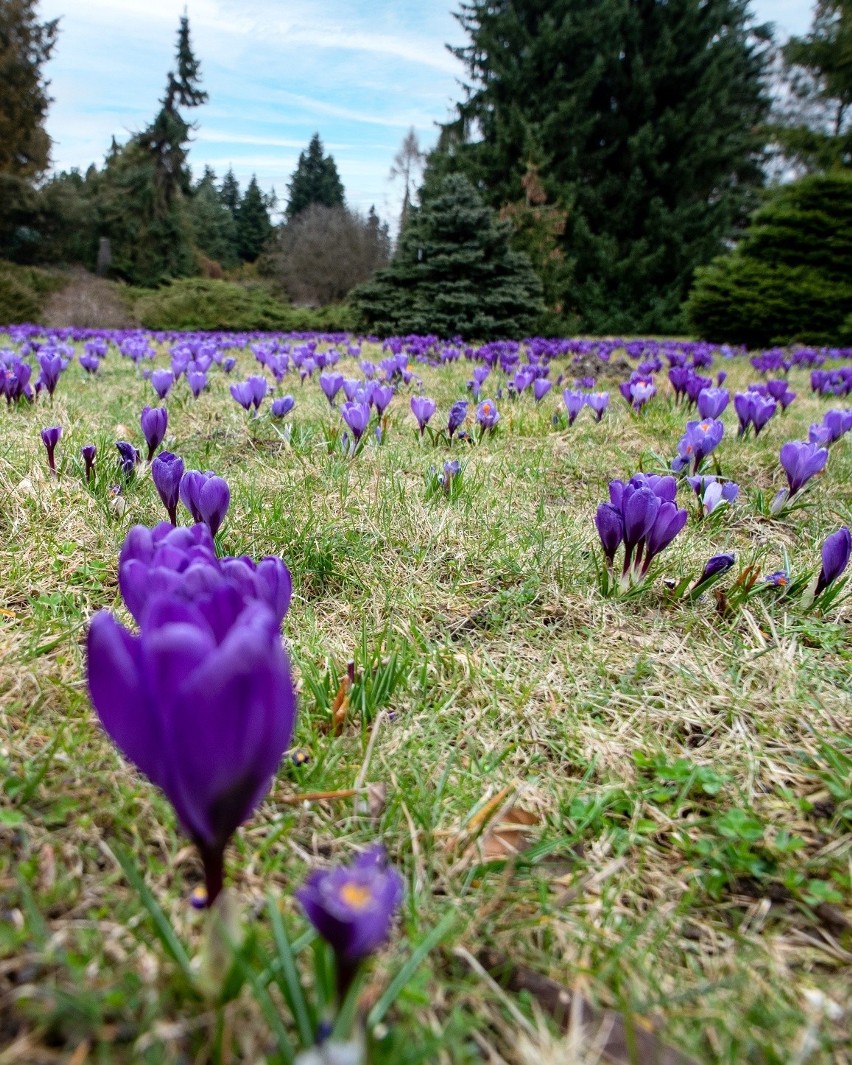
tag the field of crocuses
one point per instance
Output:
(415, 701)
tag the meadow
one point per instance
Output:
(622, 819)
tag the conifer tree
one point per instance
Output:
(146, 184)
(315, 180)
(642, 119)
(25, 46)
(254, 226)
(229, 193)
(454, 272)
(213, 226)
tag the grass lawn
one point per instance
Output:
(676, 777)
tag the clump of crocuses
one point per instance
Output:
(700, 439)
(201, 701)
(713, 495)
(643, 517)
(206, 496)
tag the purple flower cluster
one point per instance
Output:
(201, 701)
(643, 516)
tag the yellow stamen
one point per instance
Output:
(356, 895)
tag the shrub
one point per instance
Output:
(202, 303)
(790, 279)
(24, 291)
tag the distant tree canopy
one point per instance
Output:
(315, 180)
(324, 252)
(642, 120)
(815, 128)
(790, 278)
(454, 272)
(25, 46)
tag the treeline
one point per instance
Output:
(141, 218)
(600, 174)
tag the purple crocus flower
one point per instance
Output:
(835, 558)
(228, 363)
(541, 386)
(90, 363)
(487, 414)
(381, 397)
(716, 493)
(259, 388)
(331, 383)
(206, 497)
(667, 524)
(243, 393)
(182, 562)
(162, 381)
(154, 422)
(779, 390)
(352, 908)
(763, 410)
(282, 406)
(699, 440)
(357, 417)
(458, 413)
(712, 402)
(51, 368)
(197, 381)
(639, 512)
(50, 438)
(610, 530)
(801, 461)
(166, 473)
(716, 565)
(574, 402)
(128, 455)
(88, 452)
(598, 402)
(202, 702)
(422, 408)
(452, 468)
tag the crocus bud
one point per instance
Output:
(166, 473)
(153, 421)
(50, 438)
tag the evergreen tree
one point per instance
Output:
(642, 119)
(254, 226)
(213, 226)
(146, 184)
(315, 180)
(454, 272)
(25, 46)
(815, 129)
(229, 193)
(790, 278)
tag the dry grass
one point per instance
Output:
(687, 773)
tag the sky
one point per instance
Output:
(276, 71)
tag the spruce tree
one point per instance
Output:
(454, 273)
(146, 185)
(254, 226)
(25, 47)
(642, 119)
(213, 226)
(229, 193)
(315, 180)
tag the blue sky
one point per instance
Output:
(276, 71)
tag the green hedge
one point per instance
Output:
(24, 291)
(790, 279)
(200, 303)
